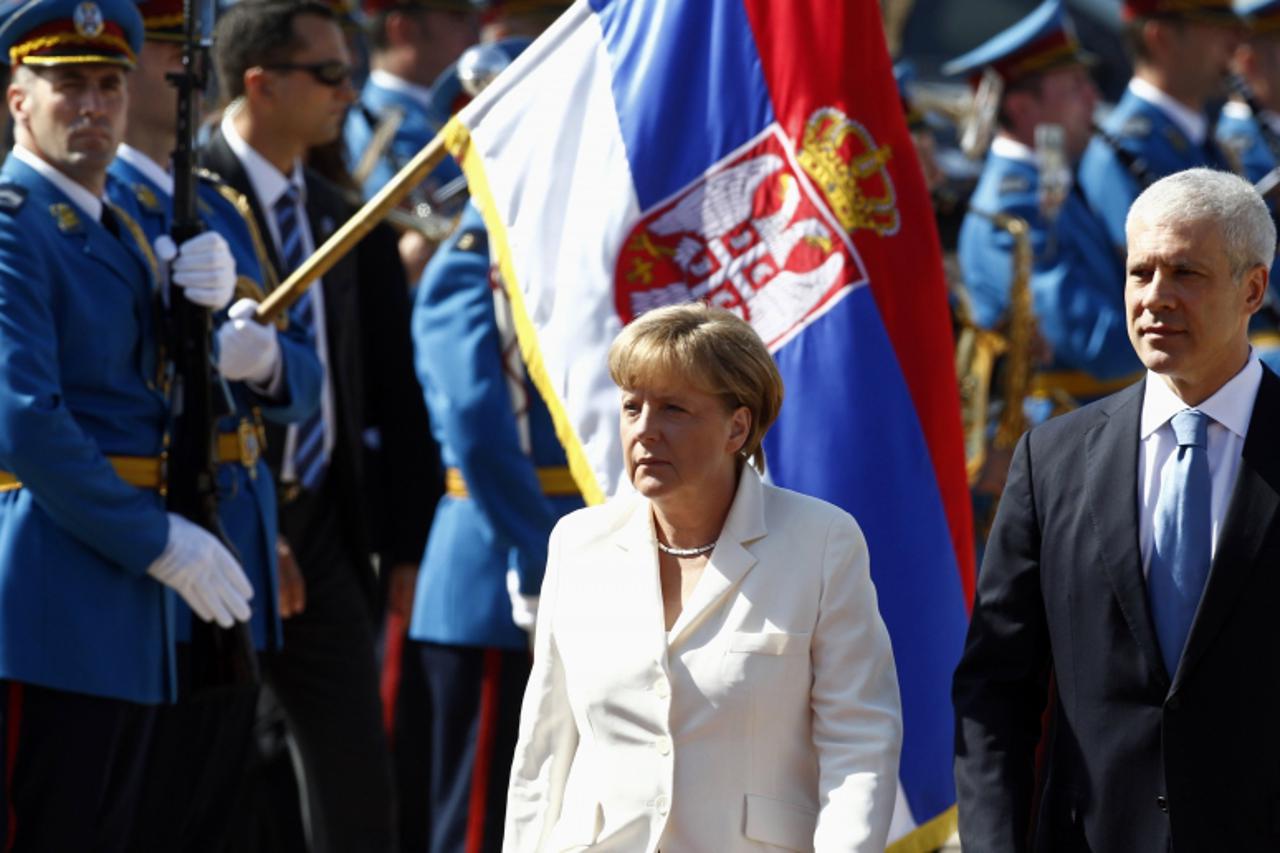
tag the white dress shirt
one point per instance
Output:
(1193, 124)
(90, 205)
(269, 184)
(1230, 408)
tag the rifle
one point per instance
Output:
(219, 657)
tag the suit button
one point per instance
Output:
(662, 804)
(1162, 804)
(664, 745)
(661, 688)
(1173, 704)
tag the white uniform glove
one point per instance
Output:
(247, 350)
(204, 268)
(524, 608)
(203, 572)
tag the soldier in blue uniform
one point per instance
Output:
(506, 485)
(1181, 50)
(201, 747)
(88, 553)
(1077, 284)
(410, 43)
(1254, 138)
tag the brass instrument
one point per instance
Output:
(977, 351)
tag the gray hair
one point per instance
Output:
(1196, 195)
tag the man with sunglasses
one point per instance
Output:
(287, 69)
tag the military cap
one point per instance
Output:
(1211, 11)
(1261, 16)
(58, 32)
(161, 19)
(1042, 40)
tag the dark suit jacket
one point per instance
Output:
(1135, 759)
(381, 466)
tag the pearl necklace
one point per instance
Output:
(686, 552)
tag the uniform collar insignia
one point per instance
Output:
(147, 198)
(66, 217)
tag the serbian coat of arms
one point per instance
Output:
(765, 232)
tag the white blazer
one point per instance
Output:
(768, 719)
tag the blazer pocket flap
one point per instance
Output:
(769, 643)
(780, 823)
(577, 831)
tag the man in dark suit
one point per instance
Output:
(1130, 581)
(287, 67)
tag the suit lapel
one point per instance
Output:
(638, 582)
(1251, 516)
(730, 561)
(1112, 491)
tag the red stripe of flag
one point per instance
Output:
(816, 54)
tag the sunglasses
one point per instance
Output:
(329, 73)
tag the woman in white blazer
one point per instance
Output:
(711, 673)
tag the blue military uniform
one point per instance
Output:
(1077, 282)
(378, 102)
(417, 111)
(246, 491)
(507, 483)
(1240, 133)
(86, 635)
(496, 513)
(1153, 146)
(1140, 140)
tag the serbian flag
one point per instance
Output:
(753, 154)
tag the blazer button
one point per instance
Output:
(1173, 704)
(662, 804)
(1162, 803)
(661, 688)
(664, 745)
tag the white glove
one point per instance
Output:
(203, 572)
(524, 608)
(247, 350)
(205, 270)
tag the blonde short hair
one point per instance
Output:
(714, 350)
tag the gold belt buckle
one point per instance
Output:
(249, 448)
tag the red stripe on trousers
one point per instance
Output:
(488, 728)
(13, 722)
(396, 628)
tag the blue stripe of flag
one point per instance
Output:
(687, 84)
(848, 433)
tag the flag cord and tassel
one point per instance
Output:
(352, 231)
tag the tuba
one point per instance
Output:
(978, 350)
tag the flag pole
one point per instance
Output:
(352, 231)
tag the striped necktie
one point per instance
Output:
(308, 456)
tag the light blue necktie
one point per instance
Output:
(308, 454)
(1183, 530)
